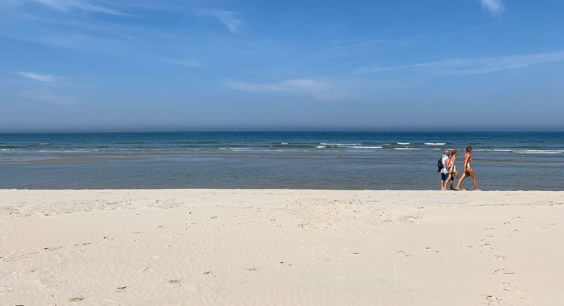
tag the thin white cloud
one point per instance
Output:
(493, 6)
(228, 18)
(317, 89)
(37, 76)
(66, 5)
(481, 65)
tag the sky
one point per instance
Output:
(101, 65)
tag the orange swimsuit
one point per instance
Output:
(468, 167)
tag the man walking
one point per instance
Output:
(443, 169)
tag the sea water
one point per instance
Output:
(312, 160)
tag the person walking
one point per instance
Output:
(467, 170)
(451, 168)
(441, 166)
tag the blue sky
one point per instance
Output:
(152, 65)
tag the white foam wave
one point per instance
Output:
(239, 149)
(366, 147)
(521, 151)
(340, 144)
(406, 149)
(404, 143)
(321, 147)
(541, 151)
(435, 143)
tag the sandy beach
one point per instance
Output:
(281, 247)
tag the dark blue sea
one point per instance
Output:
(300, 160)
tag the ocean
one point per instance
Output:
(298, 160)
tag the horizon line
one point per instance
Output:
(303, 130)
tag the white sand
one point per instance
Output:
(280, 247)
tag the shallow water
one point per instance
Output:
(326, 160)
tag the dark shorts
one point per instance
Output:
(444, 176)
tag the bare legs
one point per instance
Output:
(473, 175)
(468, 172)
(450, 179)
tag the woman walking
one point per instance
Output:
(467, 170)
(452, 172)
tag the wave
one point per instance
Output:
(404, 143)
(540, 151)
(182, 142)
(406, 149)
(291, 146)
(237, 149)
(494, 150)
(435, 143)
(523, 151)
(366, 147)
(340, 144)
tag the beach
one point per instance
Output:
(280, 247)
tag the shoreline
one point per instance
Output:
(282, 189)
(281, 247)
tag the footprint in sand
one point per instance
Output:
(52, 248)
(500, 257)
(502, 271)
(176, 282)
(492, 300)
(508, 287)
(76, 299)
(486, 244)
(402, 253)
(252, 269)
(430, 249)
(121, 289)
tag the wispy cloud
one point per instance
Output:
(493, 6)
(37, 76)
(317, 89)
(228, 18)
(66, 5)
(481, 65)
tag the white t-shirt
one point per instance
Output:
(444, 170)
